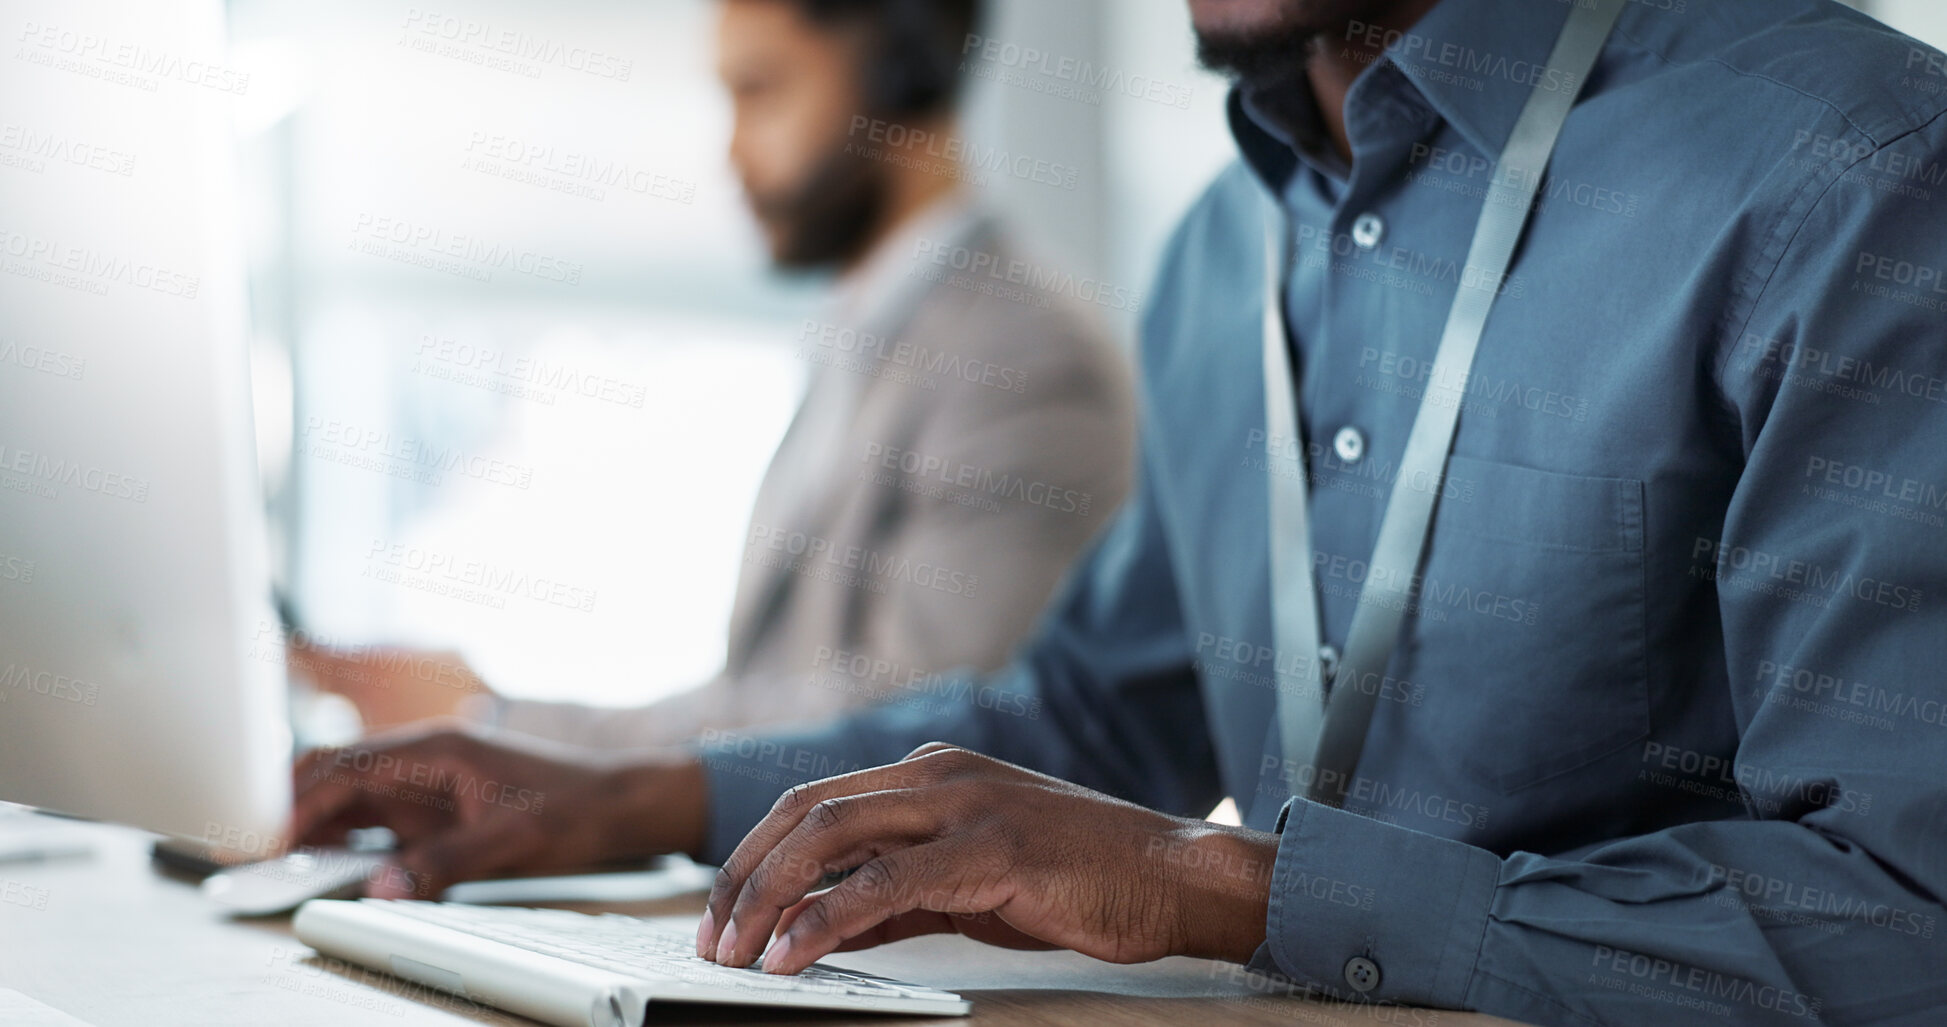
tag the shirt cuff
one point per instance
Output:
(746, 774)
(1367, 911)
(486, 709)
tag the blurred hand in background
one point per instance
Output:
(392, 686)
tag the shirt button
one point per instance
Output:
(1362, 974)
(1349, 445)
(1368, 230)
(1328, 663)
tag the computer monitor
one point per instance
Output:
(134, 574)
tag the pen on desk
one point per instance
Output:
(44, 854)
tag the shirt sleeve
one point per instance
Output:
(667, 722)
(1104, 695)
(1821, 903)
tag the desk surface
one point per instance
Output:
(110, 942)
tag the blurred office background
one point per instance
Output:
(600, 419)
(598, 414)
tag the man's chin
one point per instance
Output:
(1267, 41)
(1260, 41)
(787, 262)
(1241, 17)
(793, 250)
(1256, 59)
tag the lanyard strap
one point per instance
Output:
(1334, 726)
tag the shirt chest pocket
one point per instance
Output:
(1529, 647)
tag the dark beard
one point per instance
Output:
(1258, 59)
(829, 220)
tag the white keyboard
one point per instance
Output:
(628, 945)
(659, 959)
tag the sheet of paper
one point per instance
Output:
(954, 963)
(17, 1010)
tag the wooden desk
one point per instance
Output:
(108, 940)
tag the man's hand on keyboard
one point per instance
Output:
(464, 807)
(947, 840)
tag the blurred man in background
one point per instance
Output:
(955, 451)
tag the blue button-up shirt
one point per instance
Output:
(1665, 736)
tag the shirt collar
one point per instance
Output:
(1473, 62)
(1265, 146)
(876, 291)
(1476, 62)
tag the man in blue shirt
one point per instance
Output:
(1662, 736)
